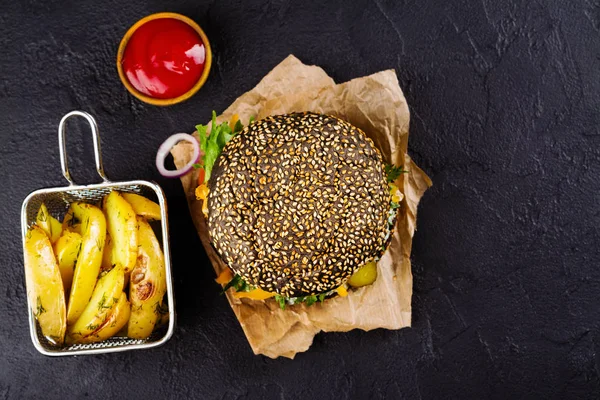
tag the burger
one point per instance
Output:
(299, 206)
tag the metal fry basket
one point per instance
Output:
(58, 200)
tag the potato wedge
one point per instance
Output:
(92, 227)
(122, 228)
(44, 285)
(143, 206)
(66, 250)
(48, 223)
(111, 326)
(148, 284)
(102, 304)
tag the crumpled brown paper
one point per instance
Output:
(375, 104)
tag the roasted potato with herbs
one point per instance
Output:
(112, 325)
(90, 223)
(143, 207)
(103, 302)
(66, 250)
(92, 258)
(48, 223)
(122, 228)
(147, 284)
(44, 285)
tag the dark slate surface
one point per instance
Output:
(505, 110)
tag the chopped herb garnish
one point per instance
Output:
(77, 256)
(92, 327)
(102, 303)
(73, 220)
(39, 308)
(42, 215)
(393, 172)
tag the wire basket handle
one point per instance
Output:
(64, 164)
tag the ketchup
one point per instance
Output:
(164, 58)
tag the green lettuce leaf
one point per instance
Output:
(238, 284)
(212, 144)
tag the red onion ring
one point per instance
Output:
(166, 147)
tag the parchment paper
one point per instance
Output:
(375, 104)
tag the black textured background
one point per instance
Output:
(504, 97)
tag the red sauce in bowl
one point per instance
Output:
(164, 58)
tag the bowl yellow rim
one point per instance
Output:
(152, 100)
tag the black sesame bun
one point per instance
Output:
(298, 203)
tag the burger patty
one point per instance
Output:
(298, 203)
